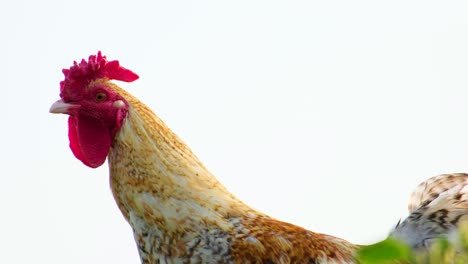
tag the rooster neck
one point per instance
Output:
(180, 213)
(156, 178)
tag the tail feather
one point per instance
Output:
(431, 189)
(437, 207)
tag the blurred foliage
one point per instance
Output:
(443, 251)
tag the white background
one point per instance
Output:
(325, 115)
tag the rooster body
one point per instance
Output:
(179, 212)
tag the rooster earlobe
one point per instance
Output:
(90, 141)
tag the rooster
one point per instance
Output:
(179, 212)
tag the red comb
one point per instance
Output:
(96, 67)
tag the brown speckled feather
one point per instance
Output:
(180, 213)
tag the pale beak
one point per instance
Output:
(60, 107)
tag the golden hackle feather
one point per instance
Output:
(180, 213)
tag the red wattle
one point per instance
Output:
(90, 140)
(73, 137)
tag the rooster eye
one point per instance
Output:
(100, 97)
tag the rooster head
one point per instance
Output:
(96, 110)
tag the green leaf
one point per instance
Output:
(387, 251)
